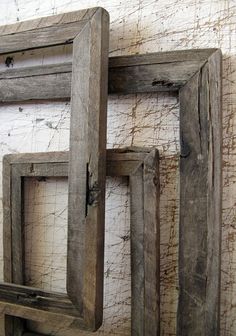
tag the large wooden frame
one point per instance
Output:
(88, 30)
(35, 304)
(196, 74)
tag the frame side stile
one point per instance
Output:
(193, 212)
(200, 202)
(17, 246)
(86, 215)
(151, 244)
(212, 317)
(6, 182)
(100, 34)
(7, 235)
(137, 256)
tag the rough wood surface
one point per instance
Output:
(137, 27)
(200, 202)
(128, 74)
(44, 32)
(151, 244)
(87, 168)
(142, 168)
(137, 253)
(86, 200)
(145, 247)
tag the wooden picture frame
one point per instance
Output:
(196, 75)
(142, 168)
(88, 30)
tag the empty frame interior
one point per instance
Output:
(31, 303)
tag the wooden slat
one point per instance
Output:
(167, 71)
(145, 242)
(38, 87)
(151, 244)
(17, 248)
(37, 299)
(7, 237)
(200, 202)
(43, 32)
(40, 157)
(18, 255)
(114, 154)
(87, 169)
(164, 57)
(31, 312)
(51, 169)
(137, 255)
(47, 21)
(151, 77)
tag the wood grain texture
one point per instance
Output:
(90, 35)
(141, 166)
(145, 247)
(87, 168)
(37, 299)
(167, 71)
(151, 244)
(137, 253)
(44, 32)
(200, 202)
(7, 238)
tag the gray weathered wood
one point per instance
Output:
(87, 168)
(38, 299)
(145, 241)
(18, 255)
(167, 71)
(151, 244)
(142, 168)
(137, 253)
(89, 32)
(7, 238)
(200, 202)
(44, 32)
(197, 75)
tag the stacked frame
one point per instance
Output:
(88, 30)
(196, 75)
(142, 168)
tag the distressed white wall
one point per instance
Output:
(137, 26)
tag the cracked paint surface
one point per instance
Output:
(137, 26)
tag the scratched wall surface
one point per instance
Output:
(137, 26)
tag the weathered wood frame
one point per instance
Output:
(196, 74)
(142, 168)
(88, 30)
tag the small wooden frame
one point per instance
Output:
(43, 306)
(88, 30)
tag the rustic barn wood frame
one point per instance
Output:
(142, 168)
(196, 75)
(88, 30)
